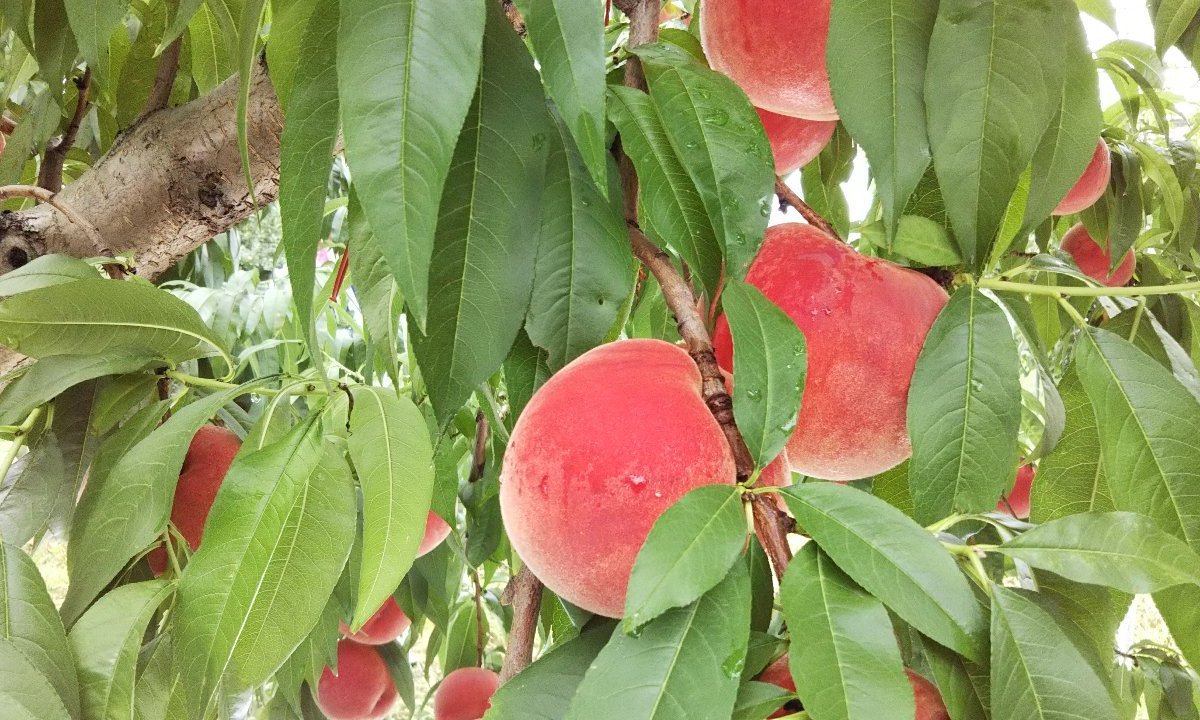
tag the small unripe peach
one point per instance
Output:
(387, 624)
(362, 689)
(1091, 185)
(603, 448)
(465, 694)
(1017, 500)
(795, 141)
(1095, 260)
(774, 50)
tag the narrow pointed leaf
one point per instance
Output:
(93, 21)
(45, 271)
(756, 699)
(407, 70)
(1171, 19)
(1071, 479)
(49, 377)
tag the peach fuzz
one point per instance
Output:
(1094, 260)
(362, 689)
(208, 458)
(1016, 501)
(864, 321)
(794, 141)
(1091, 185)
(387, 624)
(774, 50)
(465, 694)
(603, 448)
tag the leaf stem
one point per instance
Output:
(1070, 310)
(1058, 291)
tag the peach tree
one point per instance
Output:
(593, 380)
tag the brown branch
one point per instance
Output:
(524, 594)
(479, 454)
(164, 78)
(514, 17)
(50, 176)
(788, 197)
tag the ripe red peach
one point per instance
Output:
(774, 50)
(603, 448)
(864, 321)
(387, 624)
(1017, 500)
(465, 694)
(436, 531)
(1095, 260)
(208, 458)
(795, 141)
(362, 689)
(778, 673)
(925, 694)
(1091, 185)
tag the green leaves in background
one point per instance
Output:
(964, 409)
(392, 455)
(844, 659)
(1071, 479)
(894, 559)
(878, 82)
(485, 252)
(992, 86)
(770, 362)
(407, 71)
(1171, 19)
(92, 22)
(689, 550)
(584, 270)
(105, 317)
(682, 666)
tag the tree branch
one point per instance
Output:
(524, 594)
(50, 176)
(164, 78)
(789, 198)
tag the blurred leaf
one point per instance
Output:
(543, 691)
(482, 274)
(54, 45)
(689, 550)
(1071, 479)
(894, 559)
(1171, 19)
(682, 666)
(964, 409)
(1102, 10)
(401, 126)
(769, 366)
(44, 271)
(847, 664)
(49, 377)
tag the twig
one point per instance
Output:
(524, 594)
(50, 176)
(514, 17)
(164, 78)
(787, 196)
(479, 455)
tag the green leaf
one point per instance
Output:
(1037, 672)
(756, 699)
(482, 274)
(285, 45)
(543, 691)
(107, 640)
(962, 684)
(878, 86)
(276, 540)
(375, 289)
(682, 666)
(25, 692)
(54, 44)
(926, 242)
(183, 14)
(212, 62)
(306, 156)
(104, 317)
(1171, 20)
(992, 86)
(1121, 550)
(1149, 430)
(674, 214)
(584, 268)
(770, 362)
(33, 490)
(845, 663)
(689, 550)
(525, 370)
(718, 137)
(49, 377)
(964, 409)
(461, 647)
(1181, 612)
(1091, 614)
(892, 487)
(568, 39)
(1102, 10)
(392, 455)
(93, 21)
(1071, 479)
(31, 630)
(117, 518)
(45, 271)
(894, 559)
(401, 119)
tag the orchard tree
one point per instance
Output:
(541, 419)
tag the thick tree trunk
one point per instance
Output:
(168, 184)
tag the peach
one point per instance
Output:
(1017, 500)
(208, 458)
(778, 673)
(925, 694)
(774, 50)
(603, 448)
(1091, 185)
(465, 694)
(864, 321)
(1095, 260)
(362, 689)
(795, 141)
(387, 624)
(436, 532)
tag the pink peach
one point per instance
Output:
(1091, 185)
(1017, 500)
(465, 694)
(362, 689)
(795, 141)
(387, 624)
(1095, 260)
